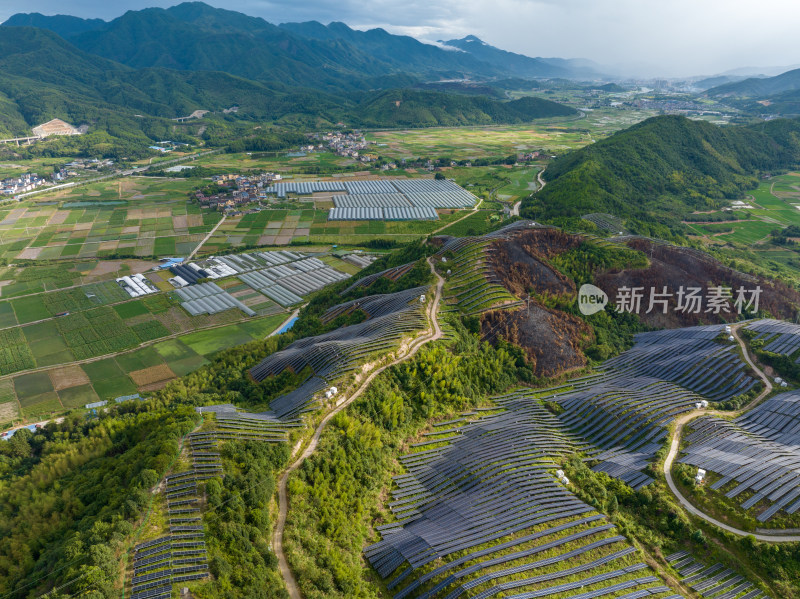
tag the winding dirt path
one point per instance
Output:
(458, 220)
(681, 422)
(433, 333)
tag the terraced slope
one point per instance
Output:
(484, 516)
(756, 456)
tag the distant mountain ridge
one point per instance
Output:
(759, 87)
(43, 76)
(525, 66)
(64, 25)
(195, 36)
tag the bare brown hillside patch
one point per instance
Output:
(673, 267)
(553, 340)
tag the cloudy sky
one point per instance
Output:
(664, 37)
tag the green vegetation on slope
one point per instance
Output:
(664, 168)
(336, 493)
(71, 495)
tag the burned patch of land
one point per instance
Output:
(553, 340)
(674, 267)
(520, 263)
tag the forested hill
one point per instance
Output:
(759, 87)
(663, 168)
(43, 76)
(779, 95)
(413, 108)
(194, 36)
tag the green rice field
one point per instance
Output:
(775, 205)
(67, 386)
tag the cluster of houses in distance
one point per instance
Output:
(236, 191)
(30, 181)
(352, 144)
(21, 184)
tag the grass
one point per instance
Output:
(101, 370)
(207, 343)
(476, 223)
(131, 309)
(522, 184)
(139, 359)
(42, 405)
(40, 332)
(7, 316)
(260, 328)
(186, 365)
(173, 349)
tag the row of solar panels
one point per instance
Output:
(288, 290)
(407, 187)
(758, 450)
(779, 337)
(209, 298)
(381, 200)
(374, 213)
(245, 262)
(475, 517)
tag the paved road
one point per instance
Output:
(205, 239)
(676, 440)
(434, 333)
(515, 209)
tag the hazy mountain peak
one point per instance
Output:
(63, 25)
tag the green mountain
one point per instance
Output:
(64, 25)
(43, 76)
(755, 87)
(664, 167)
(197, 37)
(401, 52)
(46, 77)
(415, 108)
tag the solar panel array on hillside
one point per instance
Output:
(759, 451)
(624, 410)
(333, 354)
(483, 516)
(778, 337)
(689, 357)
(393, 274)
